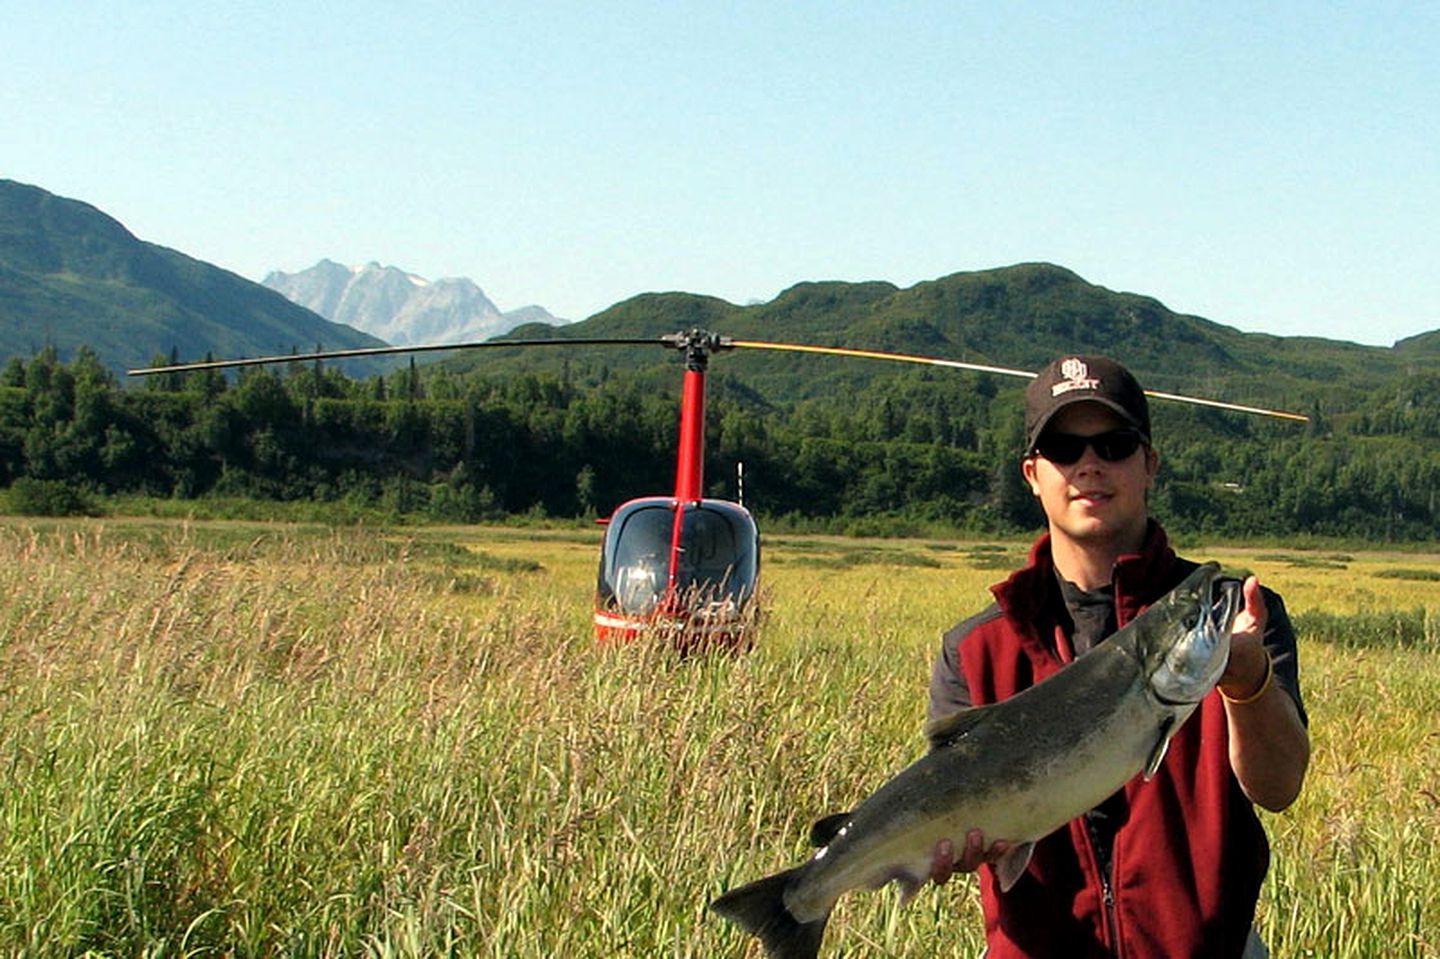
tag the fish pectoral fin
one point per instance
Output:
(949, 728)
(825, 830)
(909, 887)
(1011, 866)
(1157, 755)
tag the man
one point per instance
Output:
(1165, 868)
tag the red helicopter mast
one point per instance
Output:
(690, 465)
(690, 458)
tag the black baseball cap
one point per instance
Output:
(1079, 379)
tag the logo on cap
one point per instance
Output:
(1077, 377)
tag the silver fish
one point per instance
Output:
(1016, 770)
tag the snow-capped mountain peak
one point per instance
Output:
(400, 307)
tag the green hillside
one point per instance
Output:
(1015, 317)
(1423, 346)
(70, 276)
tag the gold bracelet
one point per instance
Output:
(1264, 688)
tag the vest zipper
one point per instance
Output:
(1111, 922)
(1105, 870)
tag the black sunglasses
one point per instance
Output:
(1111, 446)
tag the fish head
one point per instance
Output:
(1189, 642)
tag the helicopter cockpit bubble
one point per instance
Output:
(716, 559)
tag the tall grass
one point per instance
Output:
(259, 741)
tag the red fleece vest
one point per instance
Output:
(1190, 855)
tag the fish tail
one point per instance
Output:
(759, 908)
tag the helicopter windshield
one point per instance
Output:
(718, 559)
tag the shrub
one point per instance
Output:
(41, 497)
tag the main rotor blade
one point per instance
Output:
(1001, 370)
(698, 340)
(392, 350)
(878, 355)
(1258, 410)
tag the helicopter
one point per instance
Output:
(682, 568)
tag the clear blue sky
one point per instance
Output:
(1272, 167)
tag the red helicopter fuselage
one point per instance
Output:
(682, 568)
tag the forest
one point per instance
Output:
(931, 451)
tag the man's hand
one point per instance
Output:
(1247, 667)
(945, 863)
(1269, 745)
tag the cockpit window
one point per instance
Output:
(716, 554)
(718, 558)
(635, 565)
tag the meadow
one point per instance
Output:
(241, 739)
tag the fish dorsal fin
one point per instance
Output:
(827, 829)
(947, 729)
(1157, 755)
(1013, 864)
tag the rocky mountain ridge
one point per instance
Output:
(400, 307)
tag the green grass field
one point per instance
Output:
(231, 739)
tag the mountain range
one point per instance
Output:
(1019, 316)
(72, 276)
(399, 307)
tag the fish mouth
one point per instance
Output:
(1227, 598)
(1192, 667)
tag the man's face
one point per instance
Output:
(1093, 501)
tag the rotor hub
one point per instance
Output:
(697, 345)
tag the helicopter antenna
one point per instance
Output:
(1001, 370)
